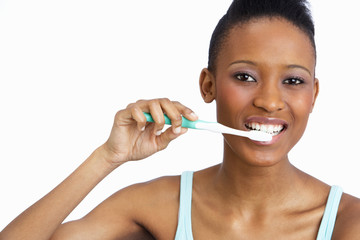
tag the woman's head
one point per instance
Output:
(244, 11)
(264, 77)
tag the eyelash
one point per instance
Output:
(294, 81)
(246, 75)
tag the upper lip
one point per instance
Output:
(266, 120)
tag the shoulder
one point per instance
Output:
(140, 211)
(348, 218)
(157, 192)
(153, 205)
(167, 186)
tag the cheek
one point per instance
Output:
(300, 105)
(303, 102)
(230, 100)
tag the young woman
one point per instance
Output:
(261, 74)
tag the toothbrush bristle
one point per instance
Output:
(260, 136)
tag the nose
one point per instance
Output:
(269, 98)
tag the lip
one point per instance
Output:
(272, 121)
(265, 120)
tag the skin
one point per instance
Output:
(254, 194)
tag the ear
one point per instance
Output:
(316, 92)
(207, 85)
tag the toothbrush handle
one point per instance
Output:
(185, 122)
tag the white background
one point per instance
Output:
(67, 66)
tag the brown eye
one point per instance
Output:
(244, 77)
(293, 81)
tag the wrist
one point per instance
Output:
(108, 157)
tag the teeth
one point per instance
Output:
(264, 128)
(271, 129)
(254, 126)
(278, 128)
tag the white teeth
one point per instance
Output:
(271, 129)
(264, 128)
(278, 128)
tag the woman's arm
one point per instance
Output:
(131, 138)
(42, 219)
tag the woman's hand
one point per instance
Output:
(132, 138)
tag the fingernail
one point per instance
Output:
(142, 129)
(158, 133)
(193, 115)
(177, 130)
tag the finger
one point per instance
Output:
(139, 117)
(173, 113)
(123, 117)
(157, 114)
(167, 136)
(137, 113)
(186, 112)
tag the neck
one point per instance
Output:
(257, 187)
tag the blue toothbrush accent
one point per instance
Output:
(186, 123)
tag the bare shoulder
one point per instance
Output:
(150, 189)
(141, 211)
(348, 218)
(154, 205)
(155, 192)
(143, 200)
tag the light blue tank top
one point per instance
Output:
(184, 230)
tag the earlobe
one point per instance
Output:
(316, 92)
(207, 85)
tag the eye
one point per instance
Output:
(293, 81)
(244, 77)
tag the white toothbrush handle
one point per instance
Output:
(219, 128)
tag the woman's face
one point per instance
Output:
(265, 80)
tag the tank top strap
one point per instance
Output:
(184, 229)
(330, 213)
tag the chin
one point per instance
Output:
(254, 155)
(262, 160)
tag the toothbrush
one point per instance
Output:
(217, 127)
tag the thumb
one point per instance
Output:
(167, 136)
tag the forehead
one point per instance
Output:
(271, 41)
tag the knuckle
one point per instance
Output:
(182, 107)
(119, 113)
(161, 122)
(118, 117)
(130, 105)
(165, 100)
(177, 121)
(153, 102)
(140, 101)
(137, 112)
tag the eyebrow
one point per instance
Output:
(299, 66)
(243, 61)
(254, 64)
